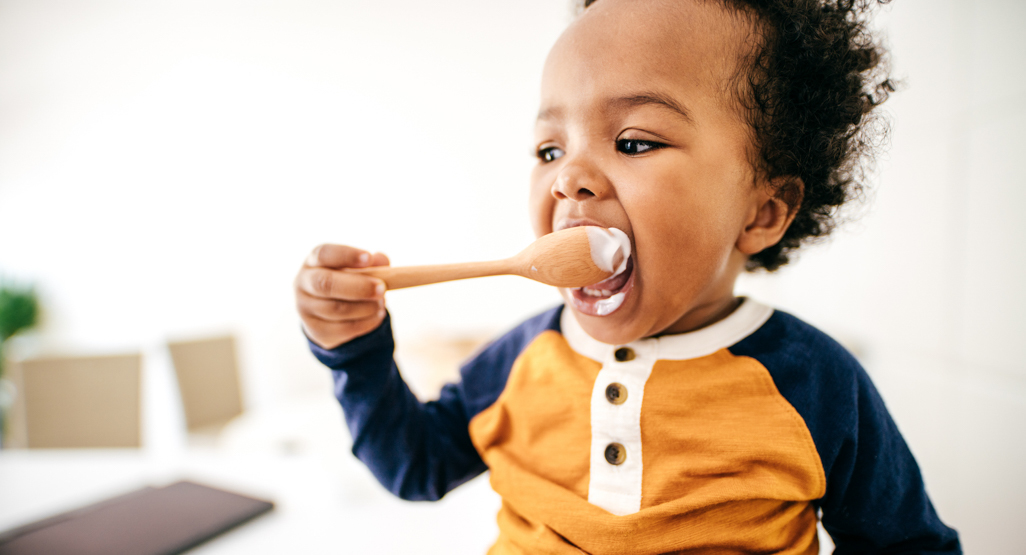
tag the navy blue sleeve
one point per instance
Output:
(875, 500)
(419, 451)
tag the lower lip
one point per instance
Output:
(601, 306)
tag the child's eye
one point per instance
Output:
(548, 154)
(635, 146)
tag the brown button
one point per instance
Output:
(616, 393)
(623, 354)
(615, 454)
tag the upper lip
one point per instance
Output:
(575, 222)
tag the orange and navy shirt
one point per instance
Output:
(735, 438)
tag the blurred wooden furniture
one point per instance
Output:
(208, 379)
(433, 359)
(89, 401)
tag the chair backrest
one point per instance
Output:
(208, 379)
(90, 401)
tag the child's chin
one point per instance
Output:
(612, 330)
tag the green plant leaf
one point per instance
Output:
(18, 310)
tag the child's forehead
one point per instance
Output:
(678, 48)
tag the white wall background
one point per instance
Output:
(165, 167)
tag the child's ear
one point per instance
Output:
(774, 208)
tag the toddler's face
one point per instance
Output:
(638, 130)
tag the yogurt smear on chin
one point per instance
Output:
(606, 306)
(605, 297)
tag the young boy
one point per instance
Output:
(718, 135)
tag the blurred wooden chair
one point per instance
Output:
(86, 402)
(433, 359)
(208, 380)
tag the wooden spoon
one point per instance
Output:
(566, 258)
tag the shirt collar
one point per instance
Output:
(741, 323)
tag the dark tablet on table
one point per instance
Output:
(149, 521)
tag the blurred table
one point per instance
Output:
(321, 506)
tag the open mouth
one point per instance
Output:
(604, 297)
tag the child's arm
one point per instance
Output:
(876, 500)
(417, 451)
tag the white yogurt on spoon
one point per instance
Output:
(607, 247)
(606, 244)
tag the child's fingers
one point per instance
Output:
(336, 306)
(336, 311)
(338, 256)
(332, 334)
(335, 284)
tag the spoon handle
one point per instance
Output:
(412, 276)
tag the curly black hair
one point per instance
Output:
(807, 87)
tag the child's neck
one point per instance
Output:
(704, 315)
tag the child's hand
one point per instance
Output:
(338, 306)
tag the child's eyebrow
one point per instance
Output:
(624, 103)
(642, 99)
(550, 114)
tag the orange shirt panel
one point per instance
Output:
(716, 429)
(549, 432)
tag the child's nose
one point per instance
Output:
(579, 181)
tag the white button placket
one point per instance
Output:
(617, 487)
